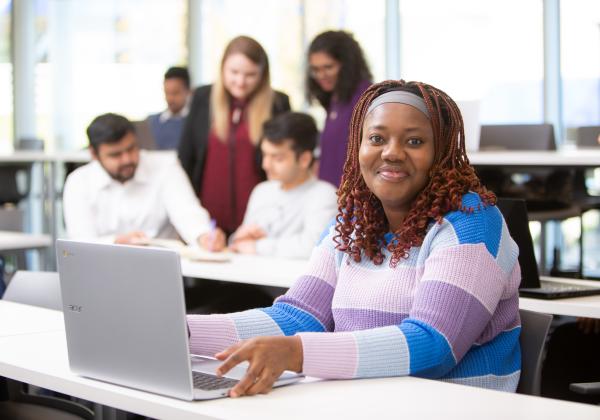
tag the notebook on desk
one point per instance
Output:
(185, 251)
(125, 322)
(515, 214)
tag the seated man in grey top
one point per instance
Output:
(287, 213)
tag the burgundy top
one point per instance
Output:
(334, 138)
(223, 204)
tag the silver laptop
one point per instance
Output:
(125, 321)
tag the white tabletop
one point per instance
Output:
(567, 158)
(31, 156)
(586, 306)
(12, 241)
(280, 272)
(74, 156)
(250, 269)
(20, 319)
(41, 359)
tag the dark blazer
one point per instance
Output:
(194, 139)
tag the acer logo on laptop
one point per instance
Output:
(74, 308)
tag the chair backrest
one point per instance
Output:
(534, 329)
(11, 189)
(37, 288)
(30, 143)
(143, 134)
(588, 136)
(517, 137)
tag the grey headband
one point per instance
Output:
(400, 97)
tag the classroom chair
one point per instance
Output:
(37, 289)
(548, 192)
(586, 388)
(144, 136)
(534, 330)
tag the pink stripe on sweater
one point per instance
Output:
(322, 265)
(211, 334)
(381, 290)
(469, 267)
(329, 355)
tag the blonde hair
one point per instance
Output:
(261, 100)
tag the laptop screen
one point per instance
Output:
(515, 214)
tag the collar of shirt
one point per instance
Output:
(166, 115)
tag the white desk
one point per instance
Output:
(279, 272)
(14, 241)
(41, 359)
(20, 319)
(582, 158)
(33, 156)
(249, 269)
(587, 306)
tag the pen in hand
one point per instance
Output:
(212, 234)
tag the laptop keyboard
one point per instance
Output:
(209, 382)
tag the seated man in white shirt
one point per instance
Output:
(128, 196)
(286, 214)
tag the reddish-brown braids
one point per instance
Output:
(361, 221)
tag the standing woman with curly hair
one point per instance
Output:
(218, 148)
(417, 275)
(337, 75)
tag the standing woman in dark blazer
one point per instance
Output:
(337, 75)
(218, 148)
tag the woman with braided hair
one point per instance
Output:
(416, 276)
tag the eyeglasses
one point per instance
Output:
(326, 70)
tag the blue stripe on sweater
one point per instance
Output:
(326, 231)
(292, 320)
(484, 225)
(501, 356)
(430, 353)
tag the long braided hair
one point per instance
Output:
(361, 221)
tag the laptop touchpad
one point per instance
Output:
(210, 365)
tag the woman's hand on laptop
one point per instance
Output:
(268, 357)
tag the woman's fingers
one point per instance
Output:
(251, 378)
(222, 355)
(263, 384)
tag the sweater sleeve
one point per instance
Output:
(469, 267)
(305, 307)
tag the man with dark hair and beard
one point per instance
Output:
(129, 196)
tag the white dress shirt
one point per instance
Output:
(292, 219)
(158, 200)
(167, 114)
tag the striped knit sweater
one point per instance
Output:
(448, 311)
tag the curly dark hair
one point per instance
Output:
(361, 221)
(341, 46)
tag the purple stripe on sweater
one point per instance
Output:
(465, 266)
(456, 314)
(505, 318)
(349, 319)
(312, 295)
